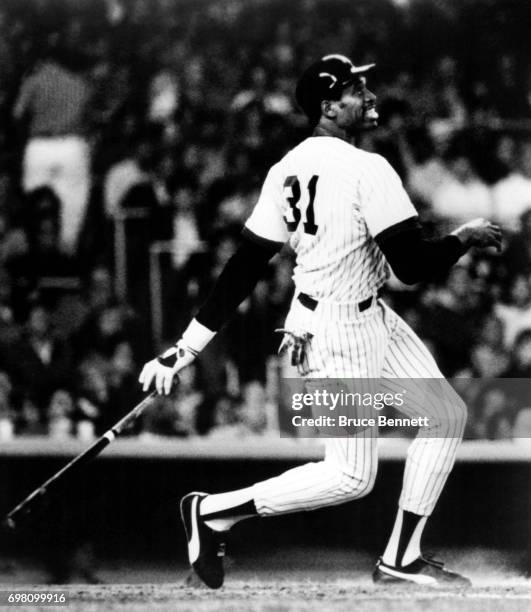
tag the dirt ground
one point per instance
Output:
(319, 580)
(265, 596)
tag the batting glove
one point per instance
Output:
(162, 369)
(296, 343)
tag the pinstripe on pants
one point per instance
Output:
(374, 344)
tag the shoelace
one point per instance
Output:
(221, 549)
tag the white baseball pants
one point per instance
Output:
(376, 343)
(62, 163)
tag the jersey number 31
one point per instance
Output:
(292, 189)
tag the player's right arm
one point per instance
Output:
(393, 222)
(263, 236)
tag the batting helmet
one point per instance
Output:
(325, 80)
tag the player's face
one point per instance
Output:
(357, 107)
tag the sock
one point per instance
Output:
(223, 510)
(404, 544)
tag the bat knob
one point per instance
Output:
(9, 524)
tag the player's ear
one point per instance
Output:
(328, 108)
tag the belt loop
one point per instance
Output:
(307, 301)
(311, 303)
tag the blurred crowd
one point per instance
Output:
(134, 137)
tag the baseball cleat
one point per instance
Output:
(206, 547)
(424, 571)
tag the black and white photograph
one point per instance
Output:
(265, 305)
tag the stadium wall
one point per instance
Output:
(126, 502)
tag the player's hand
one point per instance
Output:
(296, 343)
(479, 233)
(163, 368)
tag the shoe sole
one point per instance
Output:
(390, 576)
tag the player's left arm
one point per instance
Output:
(263, 236)
(415, 259)
(393, 222)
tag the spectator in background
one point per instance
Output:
(243, 418)
(225, 424)
(72, 313)
(427, 171)
(522, 424)
(271, 98)
(39, 362)
(491, 332)
(248, 130)
(454, 312)
(254, 92)
(92, 392)
(105, 387)
(506, 155)
(121, 375)
(508, 95)
(32, 254)
(132, 170)
(488, 356)
(517, 255)
(521, 358)
(54, 102)
(493, 415)
(105, 329)
(463, 195)
(37, 266)
(185, 229)
(174, 416)
(14, 253)
(448, 103)
(485, 361)
(59, 415)
(515, 312)
(512, 194)
(7, 413)
(9, 330)
(233, 209)
(279, 101)
(100, 291)
(164, 95)
(519, 388)
(52, 267)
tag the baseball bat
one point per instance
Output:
(26, 506)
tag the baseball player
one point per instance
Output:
(347, 217)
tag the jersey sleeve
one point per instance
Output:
(384, 201)
(266, 224)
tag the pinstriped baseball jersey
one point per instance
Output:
(330, 199)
